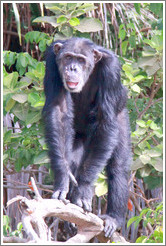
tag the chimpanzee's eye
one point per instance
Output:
(81, 60)
(68, 57)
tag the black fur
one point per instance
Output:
(88, 131)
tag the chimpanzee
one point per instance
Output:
(87, 125)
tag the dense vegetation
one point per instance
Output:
(135, 33)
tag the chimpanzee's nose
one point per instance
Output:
(73, 67)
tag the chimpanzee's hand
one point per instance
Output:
(110, 225)
(61, 188)
(82, 196)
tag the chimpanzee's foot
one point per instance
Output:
(110, 225)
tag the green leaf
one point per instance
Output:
(151, 70)
(140, 131)
(137, 164)
(145, 159)
(124, 47)
(144, 211)
(7, 136)
(153, 182)
(35, 100)
(154, 153)
(33, 117)
(40, 68)
(154, 126)
(136, 88)
(158, 133)
(140, 239)
(20, 111)
(74, 21)
(131, 25)
(88, 7)
(5, 156)
(131, 220)
(18, 165)
(158, 164)
(156, 42)
(41, 158)
(67, 31)
(137, 7)
(9, 105)
(159, 207)
(10, 81)
(12, 58)
(23, 60)
(132, 41)
(142, 145)
(141, 123)
(145, 222)
(42, 45)
(127, 67)
(33, 97)
(89, 24)
(77, 13)
(137, 222)
(47, 19)
(19, 226)
(139, 78)
(101, 188)
(122, 34)
(61, 19)
(149, 213)
(53, 7)
(146, 61)
(21, 97)
(31, 75)
(157, 8)
(145, 171)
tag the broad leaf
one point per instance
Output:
(47, 19)
(41, 158)
(89, 25)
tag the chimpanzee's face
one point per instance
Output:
(76, 63)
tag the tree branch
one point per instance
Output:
(34, 211)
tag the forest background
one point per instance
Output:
(134, 31)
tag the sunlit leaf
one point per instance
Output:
(89, 25)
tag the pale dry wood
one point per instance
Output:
(34, 211)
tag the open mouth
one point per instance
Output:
(72, 85)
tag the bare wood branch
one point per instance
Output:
(34, 211)
(14, 239)
(38, 196)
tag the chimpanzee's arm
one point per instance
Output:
(58, 132)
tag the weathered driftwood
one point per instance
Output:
(34, 211)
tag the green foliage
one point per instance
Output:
(146, 117)
(24, 97)
(155, 218)
(157, 9)
(137, 7)
(69, 19)
(40, 38)
(101, 187)
(151, 60)
(7, 229)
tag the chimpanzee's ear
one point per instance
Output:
(57, 47)
(97, 55)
